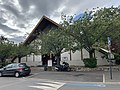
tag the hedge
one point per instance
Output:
(90, 62)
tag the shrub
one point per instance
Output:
(90, 62)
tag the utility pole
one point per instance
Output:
(109, 56)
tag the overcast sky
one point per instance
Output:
(19, 17)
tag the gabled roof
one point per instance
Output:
(42, 24)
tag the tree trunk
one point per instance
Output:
(3, 62)
(19, 59)
(91, 53)
(70, 56)
(81, 53)
(58, 56)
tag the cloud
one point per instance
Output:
(8, 30)
(21, 25)
(42, 7)
(11, 9)
(22, 14)
(14, 12)
(2, 20)
(16, 39)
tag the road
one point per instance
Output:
(52, 81)
(71, 76)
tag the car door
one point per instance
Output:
(8, 70)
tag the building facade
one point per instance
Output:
(75, 58)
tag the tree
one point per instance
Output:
(22, 50)
(4, 52)
(106, 23)
(81, 30)
(6, 48)
(3, 39)
(93, 28)
(115, 47)
(54, 41)
(9, 50)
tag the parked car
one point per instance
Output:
(16, 69)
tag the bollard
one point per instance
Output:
(103, 78)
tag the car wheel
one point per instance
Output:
(0, 74)
(17, 74)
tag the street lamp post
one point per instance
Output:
(109, 57)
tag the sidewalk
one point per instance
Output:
(36, 69)
(99, 76)
(115, 76)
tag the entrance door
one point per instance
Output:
(45, 59)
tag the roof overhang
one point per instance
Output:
(104, 50)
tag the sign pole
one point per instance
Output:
(110, 58)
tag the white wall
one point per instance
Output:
(76, 58)
(30, 60)
(100, 60)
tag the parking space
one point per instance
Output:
(47, 80)
(69, 76)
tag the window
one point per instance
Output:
(9, 66)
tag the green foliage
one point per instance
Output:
(90, 62)
(115, 46)
(92, 30)
(5, 50)
(22, 50)
(82, 32)
(55, 41)
(2, 64)
(117, 59)
(8, 50)
(106, 23)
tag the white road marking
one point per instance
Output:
(51, 85)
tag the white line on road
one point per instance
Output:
(51, 85)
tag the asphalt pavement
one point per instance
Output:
(53, 80)
(28, 83)
(69, 76)
(83, 76)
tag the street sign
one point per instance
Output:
(109, 41)
(49, 62)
